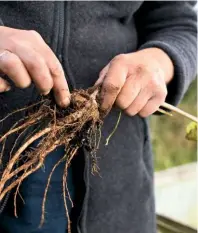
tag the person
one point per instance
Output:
(142, 53)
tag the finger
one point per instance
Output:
(37, 68)
(139, 102)
(102, 75)
(12, 66)
(112, 84)
(61, 91)
(4, 85)
(154, 102)
(129, 92)
(60, 86)
(152, 106)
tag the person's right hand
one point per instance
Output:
(25, 57)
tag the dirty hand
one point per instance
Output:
(136, 82)
(25, 57)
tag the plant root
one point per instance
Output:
(77, 126)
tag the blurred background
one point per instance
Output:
(168, 135)
(175, 169)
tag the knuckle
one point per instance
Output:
(4, 56)
(36, 63)
(56, 71)
(154, 81)
(111, 88)
(121, 104)
(10, 61)
(41, 76)
(46, 83)
(130, 112)
(34, 33)
(121, 58)
(140, 69)
(162, 93)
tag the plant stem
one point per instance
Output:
(179, 111)
(116, 126)
(165, 112)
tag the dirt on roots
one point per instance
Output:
(77, 126)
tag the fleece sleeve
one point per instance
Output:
(172, 27)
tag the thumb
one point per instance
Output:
(102, 75)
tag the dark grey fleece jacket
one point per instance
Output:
(85, 36)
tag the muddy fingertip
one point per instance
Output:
(64, 102)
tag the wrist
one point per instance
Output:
(163, 60)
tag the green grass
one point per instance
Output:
(168, 135)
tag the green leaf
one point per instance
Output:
(191, 131)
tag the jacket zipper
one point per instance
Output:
(63, 42)
(57, 46)
(63, 45)
(58, 49)
(60, 31)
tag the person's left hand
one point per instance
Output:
(136, 82)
